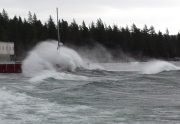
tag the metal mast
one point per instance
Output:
(58, 29)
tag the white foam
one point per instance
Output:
(151, 67)
(45, 56)
(56, 75)
(18, 108)
(94, 66)
(155, 67)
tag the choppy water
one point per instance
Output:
(127, 93)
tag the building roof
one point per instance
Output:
(6, 42)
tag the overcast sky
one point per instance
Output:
(161, 14)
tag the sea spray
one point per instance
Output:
(150, 67)
(45, 56)
(154, 67)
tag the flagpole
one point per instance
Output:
(58, 29)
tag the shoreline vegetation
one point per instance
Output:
(140, 44)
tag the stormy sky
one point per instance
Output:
(161, 14)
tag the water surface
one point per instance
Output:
(120, 93)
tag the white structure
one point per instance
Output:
(6, 50)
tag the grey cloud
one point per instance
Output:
(125, 3)
(89, 10)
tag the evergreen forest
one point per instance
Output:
(146, 42)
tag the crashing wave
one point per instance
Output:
(45, 56)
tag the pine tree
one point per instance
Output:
(34, 18)
(74, 32)
(5, 15)
(115, 32)
(167, 32)
(92, 29)
(134, 29)
(52, 32)
(64, 31)
(30, 19)
(100, 31)
(145, 29)
(178, 44)
(1, 19)
(5, 26)
(85, 32)
(152, 30)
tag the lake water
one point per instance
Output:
(125, 93)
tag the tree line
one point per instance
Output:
(146, 42)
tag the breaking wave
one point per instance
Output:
(55, 75)
(45, 56)
(155, 67)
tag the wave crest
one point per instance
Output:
(155, 67)
(45, 56)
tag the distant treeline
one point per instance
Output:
(138, 42)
